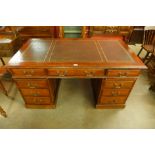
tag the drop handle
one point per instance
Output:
(89, 73)
(37, 100)
(30, 85)
(116, 85)
(28, 72)
(25, 72)
(114, 93)
(36, 94)
(122, 74)
(63, 73)
(32, 71)
(40, 100)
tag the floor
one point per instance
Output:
(76, 108)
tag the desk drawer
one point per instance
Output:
(37, 100)
(28, 72)
(6, 53)
(118, 84)
(113, 100)
(76, 72)
(35, 92)
(4, 46)
(115, 92)
(123, 73)
(32, 83)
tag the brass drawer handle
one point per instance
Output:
(31, 86)
(29, 73)
(63, 73)
(122, 74)
(89, 74)
(25, 72)
(114, 93)
(116, 85)
(32, 71)
(40, 100)
(37, 100)
(36, 94)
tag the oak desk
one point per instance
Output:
(111, 65)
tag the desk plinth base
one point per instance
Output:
(51, 106)
(110, 106)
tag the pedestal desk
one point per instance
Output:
(39, 65)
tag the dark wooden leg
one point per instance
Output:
(2, 112)
(3, 89)
(2, 61)
(140, 51)
(147, 54)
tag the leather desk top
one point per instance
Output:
(68, 52)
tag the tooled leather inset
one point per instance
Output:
(37, 50)
(114, 51)
(75, 51)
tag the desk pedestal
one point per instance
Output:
(38, 93)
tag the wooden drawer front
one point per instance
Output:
(75, 72)
(4, 46)
(115, 92)
(113, 100)
(32, 83)
(37, 100)
(6, 53)
(35, 92)
(123, 73)
(118, 84)
(29, 72)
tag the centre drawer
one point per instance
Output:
(76, 72)
(35, 92)
(37, 100)
(32, 83)
(28, 72)
(118, 84)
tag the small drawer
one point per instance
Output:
(32, 83)
(35, 92)
(37, 100)
(59, 72)
(76, 72)
(6, 53)
(112, 100)
(4, 46)
(115, 92)
(28, 72)
(93, 73)
(119, 84)
(123, 73)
